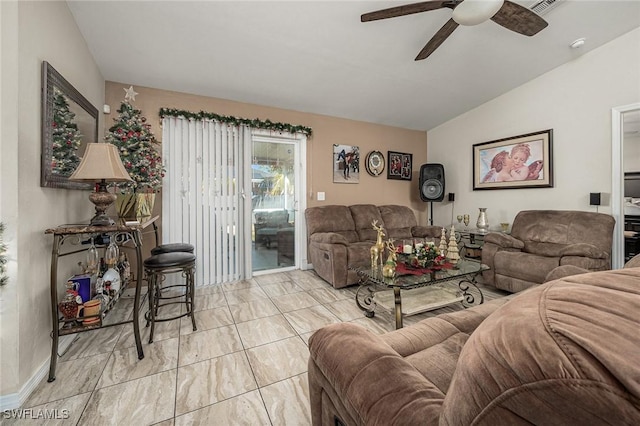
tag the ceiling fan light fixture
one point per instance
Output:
(474, 12)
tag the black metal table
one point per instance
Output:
(67, 240)
(463, 274)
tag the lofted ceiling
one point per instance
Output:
(317, 57)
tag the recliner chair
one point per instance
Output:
(542, 240)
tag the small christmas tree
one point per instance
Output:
(443, 243)
(66, 137)
(452, 250)
(137, 146)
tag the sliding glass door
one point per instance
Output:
(274, 202)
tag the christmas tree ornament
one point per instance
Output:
(453, 254)
(130, 94)
(443, 243)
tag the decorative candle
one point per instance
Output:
(407, 249)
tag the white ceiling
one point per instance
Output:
(317, 57)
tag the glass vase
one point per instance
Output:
(93, 258)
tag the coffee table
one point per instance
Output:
(461, 278)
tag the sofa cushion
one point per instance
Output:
(547, 357)
(398, 221)
(563, 227)
(332, 218)
(328, 238)
(432, 346)
(363, 215)
(526, 266)
(437, 363)
(359, 254)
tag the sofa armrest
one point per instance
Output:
(503, 240)
(564, 271)
(585, 250)
(328, 238)
(374, 384)
(426, 231)
(634, 262)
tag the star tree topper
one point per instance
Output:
(130, 94)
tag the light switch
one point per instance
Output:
(320, 196)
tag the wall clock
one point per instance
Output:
(374, 163)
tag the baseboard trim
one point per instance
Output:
(15, 400)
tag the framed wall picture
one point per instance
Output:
(374, 163)
(523, 161)
(399, 165)
(346, 164)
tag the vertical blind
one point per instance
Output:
(202, 201)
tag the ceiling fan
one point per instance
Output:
(510, 15)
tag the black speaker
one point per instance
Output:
(432, 182)
(594, 198)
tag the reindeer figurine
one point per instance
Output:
(377, 250)
(389, 268)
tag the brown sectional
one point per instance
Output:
(566, 352)
(340, 237)
(540, 241)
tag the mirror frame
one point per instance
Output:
(50, 79)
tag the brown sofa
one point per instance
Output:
(340, 237)
(562, 353)
(542, 240)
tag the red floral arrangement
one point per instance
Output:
(422, 256)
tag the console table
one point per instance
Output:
(66, 241)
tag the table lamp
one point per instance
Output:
(101, 164)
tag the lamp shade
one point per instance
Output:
(101, 161)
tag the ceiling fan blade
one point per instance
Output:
(408, 9)
(518, 18)
(437, 39)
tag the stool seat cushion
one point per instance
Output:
(172, 247)
(169, 260)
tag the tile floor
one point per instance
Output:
(245, 365)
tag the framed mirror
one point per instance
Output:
(69, 122)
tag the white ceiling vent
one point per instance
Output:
(544, 6)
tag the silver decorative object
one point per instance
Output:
(483, 222)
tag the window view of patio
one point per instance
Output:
(272, 205)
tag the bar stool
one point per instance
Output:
(156, 268)
(172, 247)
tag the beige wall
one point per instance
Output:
(35, 31)
(326, 132)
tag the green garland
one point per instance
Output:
(255, 123)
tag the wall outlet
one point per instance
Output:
(320, 196)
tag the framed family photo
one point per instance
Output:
(399, 165)
(523, 161)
